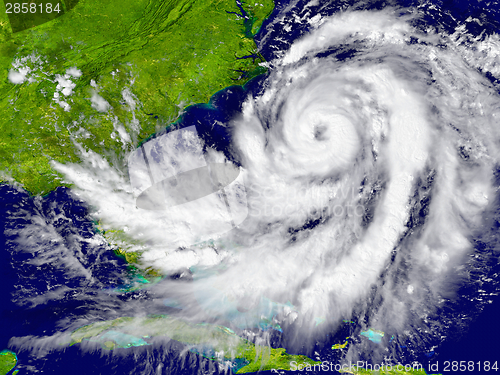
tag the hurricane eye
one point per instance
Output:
(321, 132)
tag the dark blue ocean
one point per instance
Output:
(66, 227)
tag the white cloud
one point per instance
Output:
(25, 68)
(64, 84)
(99, 103)
(74, 72)
(18, 77)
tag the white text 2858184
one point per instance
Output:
(32, 8)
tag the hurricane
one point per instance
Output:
(364, 189)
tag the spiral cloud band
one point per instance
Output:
(367, 180)
(388, 116)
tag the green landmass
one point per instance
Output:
(394, 371)
(203, 338)
(125, 248)
(258, 11)
(8, 361)
(341, 346)
(122, 243)
(147, 59)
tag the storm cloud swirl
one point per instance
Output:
(372, 177)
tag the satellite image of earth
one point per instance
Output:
(229, 187)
